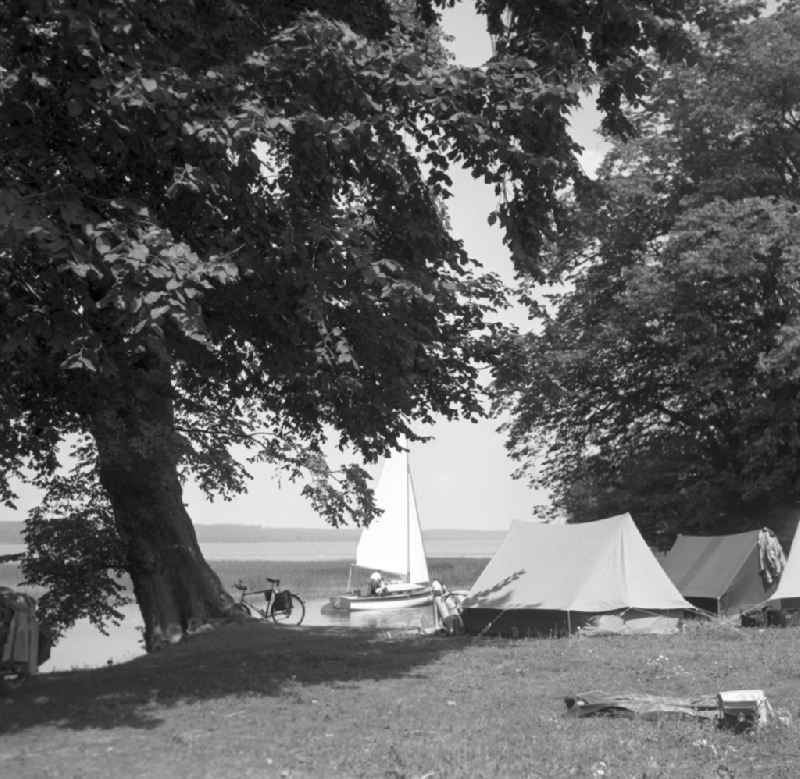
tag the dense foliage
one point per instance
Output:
(222, 224)
(666, 381)
(75, 552)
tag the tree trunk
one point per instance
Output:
(174, 586)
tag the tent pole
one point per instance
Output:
(569, 624)
(408, 520)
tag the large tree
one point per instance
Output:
(665, 380)
(222, 223)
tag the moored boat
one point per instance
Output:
(420, 596)
(392, 545)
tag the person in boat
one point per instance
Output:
(377, 586)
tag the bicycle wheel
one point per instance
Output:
(249, 610)
(293, 612)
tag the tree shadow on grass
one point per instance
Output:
(237, 659)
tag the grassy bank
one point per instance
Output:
(255, 700)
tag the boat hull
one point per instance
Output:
(399, 600)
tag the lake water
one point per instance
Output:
(85, 647)
(441, 544)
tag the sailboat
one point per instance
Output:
(392, 544)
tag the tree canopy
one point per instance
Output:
(223, 223)
(665, 382)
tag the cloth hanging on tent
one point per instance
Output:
(771, 557)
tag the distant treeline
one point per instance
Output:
(248, 533)
(220, 534)
(10, 532)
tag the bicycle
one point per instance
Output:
(282, 606)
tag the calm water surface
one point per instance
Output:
(85, 647)
(440, 546)
(340, 550)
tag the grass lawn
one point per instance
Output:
(263, 701)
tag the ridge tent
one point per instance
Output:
(553, 579)
(723, 574)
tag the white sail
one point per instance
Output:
(393, 542)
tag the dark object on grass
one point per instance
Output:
(742, 710)
(632, 705)
(736, 710)
(763, 617)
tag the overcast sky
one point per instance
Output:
(462, 477)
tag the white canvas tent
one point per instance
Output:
(554, 578)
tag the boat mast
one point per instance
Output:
(412, 502)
